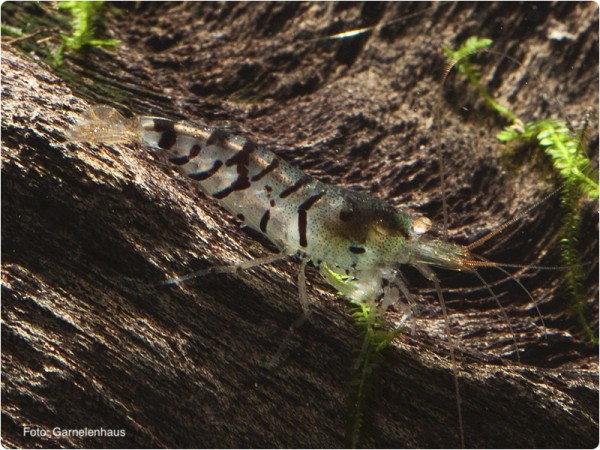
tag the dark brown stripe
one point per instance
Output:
(357, 250)
(160, 125)
(241, 160)
(303, 216)
(200, 176)
(223, 192)
(181, 160)
(195, 150)
(168, 136)
(297, 185)
(270, 168)
(218, 138)
(265, 220)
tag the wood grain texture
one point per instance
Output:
(90, 337)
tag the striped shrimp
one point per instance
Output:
(340, 231)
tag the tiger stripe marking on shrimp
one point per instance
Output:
(303, 216)
(218, 138)
(195, 151)
(206, 174)
(182, 160)
(295, 187)
(168, 136)
(267, 170)
(241, 160)
(264, 221)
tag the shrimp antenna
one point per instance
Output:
(515, 219)
(438, 130)
(452, 346)
(516, 280)
(487, 263)
(503, 311)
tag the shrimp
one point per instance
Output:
(339, 230)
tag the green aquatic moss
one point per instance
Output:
(568, 154)
(460, 59)
(368, 319)
(85, 17)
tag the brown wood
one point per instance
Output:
(90, 337)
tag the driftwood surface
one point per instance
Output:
(91, 339)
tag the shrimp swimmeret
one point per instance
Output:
(339, 230)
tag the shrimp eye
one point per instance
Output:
(421, 225)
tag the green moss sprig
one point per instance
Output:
(568, 154)
(86, 15)
(460, 59)
(367, 318)
(565, 149)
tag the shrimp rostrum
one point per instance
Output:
(340, 231)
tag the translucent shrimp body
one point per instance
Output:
(345, 232)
